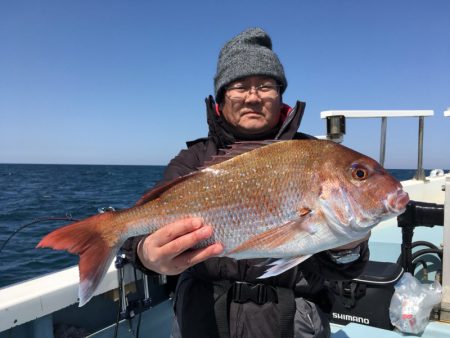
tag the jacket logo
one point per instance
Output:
(350, 318)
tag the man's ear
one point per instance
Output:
(219, 107)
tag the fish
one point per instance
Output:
(280, 200)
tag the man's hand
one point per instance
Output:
(166, 251)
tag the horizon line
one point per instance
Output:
(29, 163)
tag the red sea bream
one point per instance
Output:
(285, 200)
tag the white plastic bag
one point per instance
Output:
(412, 303)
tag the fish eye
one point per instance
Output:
(359, 173)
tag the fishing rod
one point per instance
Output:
(37, 220)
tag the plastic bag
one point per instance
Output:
(412, 303)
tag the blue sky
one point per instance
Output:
(124, 82)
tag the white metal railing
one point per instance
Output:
(336, 120)
(445, 305)
(35, 298)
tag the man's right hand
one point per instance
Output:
(168, 250)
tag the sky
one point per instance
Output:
(124, 82)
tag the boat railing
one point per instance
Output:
(336, 128)
(445, 304)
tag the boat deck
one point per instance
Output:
(354, 330)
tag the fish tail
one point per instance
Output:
(96, 250)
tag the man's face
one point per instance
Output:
(252, 110)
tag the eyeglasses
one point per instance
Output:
(264, 91)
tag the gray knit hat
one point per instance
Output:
(247, 54)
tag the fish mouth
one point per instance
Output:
(396, 202)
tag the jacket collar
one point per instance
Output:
(223, 134)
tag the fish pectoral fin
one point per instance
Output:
(273, 238)
(283, 264)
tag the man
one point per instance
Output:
(221, 296)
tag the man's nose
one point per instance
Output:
(252, 95)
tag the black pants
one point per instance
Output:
(196, 300)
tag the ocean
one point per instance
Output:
(33, 191)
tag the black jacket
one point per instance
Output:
(197, 290)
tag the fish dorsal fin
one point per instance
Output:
(157, 191)
(237, 148)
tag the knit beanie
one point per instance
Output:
(247, 54)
